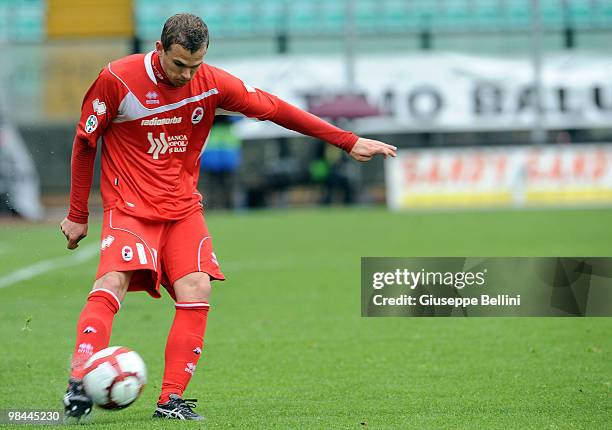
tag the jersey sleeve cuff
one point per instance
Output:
(351, 141)
(79, 219)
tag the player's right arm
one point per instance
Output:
(99, 107)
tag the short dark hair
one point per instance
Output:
(185, 29)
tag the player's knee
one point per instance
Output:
(117, 282)
(193, 287)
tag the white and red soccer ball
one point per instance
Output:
(114, 377)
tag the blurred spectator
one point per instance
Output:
(338, 178)
(19, 184)
(219, 165)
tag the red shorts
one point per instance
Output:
(157, 252)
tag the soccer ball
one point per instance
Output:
(114, 377)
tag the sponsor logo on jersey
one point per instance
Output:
(190, 368)
(159, 75)
(127, 254)
(106, 242)
(152, 98)
(197, 115)
(166, 144)
(91, 124)
(99, 107)
(162, 121)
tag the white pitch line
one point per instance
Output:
(86, 253)
(28, 272)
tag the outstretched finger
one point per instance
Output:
(386, 151)
(392, 148)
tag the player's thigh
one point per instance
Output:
(187, 249)
(129, 247)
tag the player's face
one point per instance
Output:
(179, 63)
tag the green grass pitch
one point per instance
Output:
(286, 346)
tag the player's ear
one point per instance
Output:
(159, 47)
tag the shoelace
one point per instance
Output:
(187, 404)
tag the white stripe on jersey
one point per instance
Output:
(149, 67)
(131, 108)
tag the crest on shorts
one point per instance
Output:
(127, 254)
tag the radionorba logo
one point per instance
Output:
(162, 121)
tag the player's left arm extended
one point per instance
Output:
(255, 103)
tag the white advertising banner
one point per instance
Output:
(442, 91)
(500, 176)
(412, 92)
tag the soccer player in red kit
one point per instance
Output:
(153, 114)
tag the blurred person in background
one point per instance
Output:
(337, 177)
(19, 181)
(220, 166)
(154, 112)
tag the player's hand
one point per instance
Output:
(74, 232)
(365, 149)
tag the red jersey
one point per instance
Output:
(154, 134)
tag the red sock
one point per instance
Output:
(184, 347)
(94, 328)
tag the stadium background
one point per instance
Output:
(287, 347)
